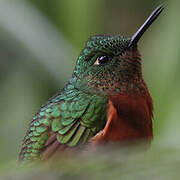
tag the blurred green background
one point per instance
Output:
(41, 39)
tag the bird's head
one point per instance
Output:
(110, 64)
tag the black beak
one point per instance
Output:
(135, 38)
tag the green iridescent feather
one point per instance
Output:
(74, 116)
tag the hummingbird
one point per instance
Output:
(106, 100)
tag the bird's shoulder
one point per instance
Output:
(71, 117)
(76, 116)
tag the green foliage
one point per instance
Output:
(112, 162)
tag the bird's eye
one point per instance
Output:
(101, 60)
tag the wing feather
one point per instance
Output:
(70, 118)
